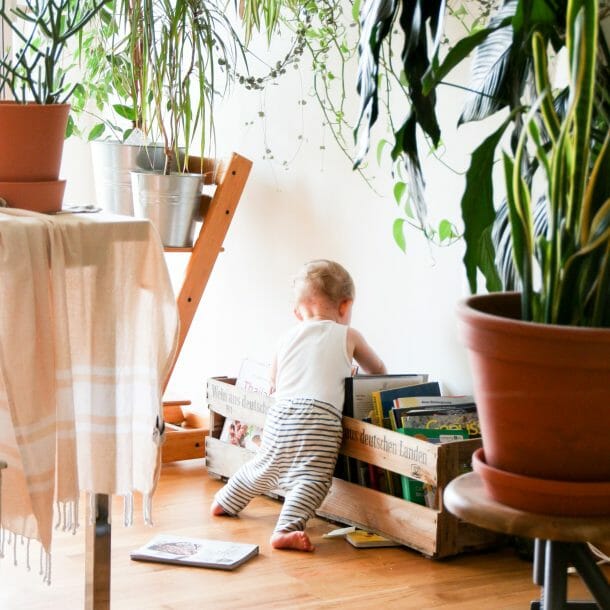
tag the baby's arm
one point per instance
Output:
(363, 353)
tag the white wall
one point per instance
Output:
(318, 207)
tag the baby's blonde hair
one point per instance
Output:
(324, 278)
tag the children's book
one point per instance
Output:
(199, 552)
(364, 540)
(446, 418)
(403, 406)
(383, 400)
(418, 491)
(254, 377)
(361, 538)
(359, 388)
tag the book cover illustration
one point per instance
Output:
(255, 377)
(199, 552)
(446, 418)
(405, 405)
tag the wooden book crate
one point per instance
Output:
(434, 532)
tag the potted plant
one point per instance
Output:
(540, 357)
(167, 65)
(35, 94)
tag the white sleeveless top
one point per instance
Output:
(312, 362)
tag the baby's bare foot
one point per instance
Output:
(217, 511)
(298, 541)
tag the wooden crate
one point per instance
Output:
(434, 532)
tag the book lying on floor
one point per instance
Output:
(200, 552)
(366, 540)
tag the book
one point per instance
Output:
(364, 540)
(383, 400)
(359, 388)
(447, 418)
(255, 377)
(402, 406)
(418, 491)
(199, 552)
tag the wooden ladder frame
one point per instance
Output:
(230, 178)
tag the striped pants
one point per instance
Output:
(298, 453)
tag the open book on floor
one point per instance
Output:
(200, 552)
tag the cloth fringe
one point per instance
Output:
(14, 543)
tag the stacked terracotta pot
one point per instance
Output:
(31, 147)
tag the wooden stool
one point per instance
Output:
(560, 541)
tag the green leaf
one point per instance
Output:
(445, 230)
(477, 202)
(96, 132)
(399, 233)
(487, 262)
(399, 191)
(381, 145)
(127, 112)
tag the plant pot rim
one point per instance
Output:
(482, 309)
(30, 103)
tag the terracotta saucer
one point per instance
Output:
(45, 197)
(545, 496)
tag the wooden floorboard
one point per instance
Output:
(336, 575)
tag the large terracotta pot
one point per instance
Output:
(542, 393)
(31, 141)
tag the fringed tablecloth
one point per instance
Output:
(88, 327)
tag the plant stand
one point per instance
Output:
(560, 542)
(217, 212)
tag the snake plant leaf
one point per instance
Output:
(598, 189)
(582, 47)
(494, 71)
(477, 205)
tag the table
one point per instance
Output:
(88, 330)
(560, 542)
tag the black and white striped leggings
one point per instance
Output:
(298, 452)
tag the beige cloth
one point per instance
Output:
(88, 330)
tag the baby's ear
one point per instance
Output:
(344, 306)
(298, 314)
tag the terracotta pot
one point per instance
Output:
(45, 197)
(542, 391)
(31, 141)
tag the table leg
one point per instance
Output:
(592, 576)
(97, 556)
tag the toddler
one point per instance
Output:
(302, 432)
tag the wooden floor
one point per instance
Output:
(336, 575)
